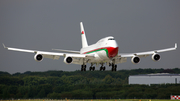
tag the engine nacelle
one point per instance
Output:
(135, 59)
(38, 57)
(68, 60)
(156, 57)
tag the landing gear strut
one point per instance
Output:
(83, 67)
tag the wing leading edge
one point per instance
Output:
(51, 55)
(144, 54)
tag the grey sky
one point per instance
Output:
(137, 25)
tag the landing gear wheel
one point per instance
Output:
(101, 68)
(114, 67)
(83, 67)
(93, 68)
(104, 68)
(90, 68)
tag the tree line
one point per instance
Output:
(83, 85)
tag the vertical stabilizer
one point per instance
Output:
(83, 36)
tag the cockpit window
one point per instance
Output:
(111, 39)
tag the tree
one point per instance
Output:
(6, 93)
(54, 95)
(41, 94)
(108, 79)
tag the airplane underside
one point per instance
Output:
(101, 59)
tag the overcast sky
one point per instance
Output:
(137, 25)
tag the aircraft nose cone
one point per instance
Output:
(112, 52)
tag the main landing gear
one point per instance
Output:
(83, 67)
(114, 67)
(91, 68)
(102, 68)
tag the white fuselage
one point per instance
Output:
(104, 49)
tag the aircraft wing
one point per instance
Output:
(52, 55)
(69, 51)
(144, 54)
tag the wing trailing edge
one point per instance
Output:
(69, 51)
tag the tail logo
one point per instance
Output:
(82, 32)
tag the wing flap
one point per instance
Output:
(69, 51)
(54, 57)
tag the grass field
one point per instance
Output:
(91, 100)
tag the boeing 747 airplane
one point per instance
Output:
(105, 51)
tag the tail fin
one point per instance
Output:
(83, 36)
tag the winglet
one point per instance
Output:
(175, 46)
(4, 45)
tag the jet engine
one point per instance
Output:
(38, 57)
(156, 57)
(68, 60)
(135, 59)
